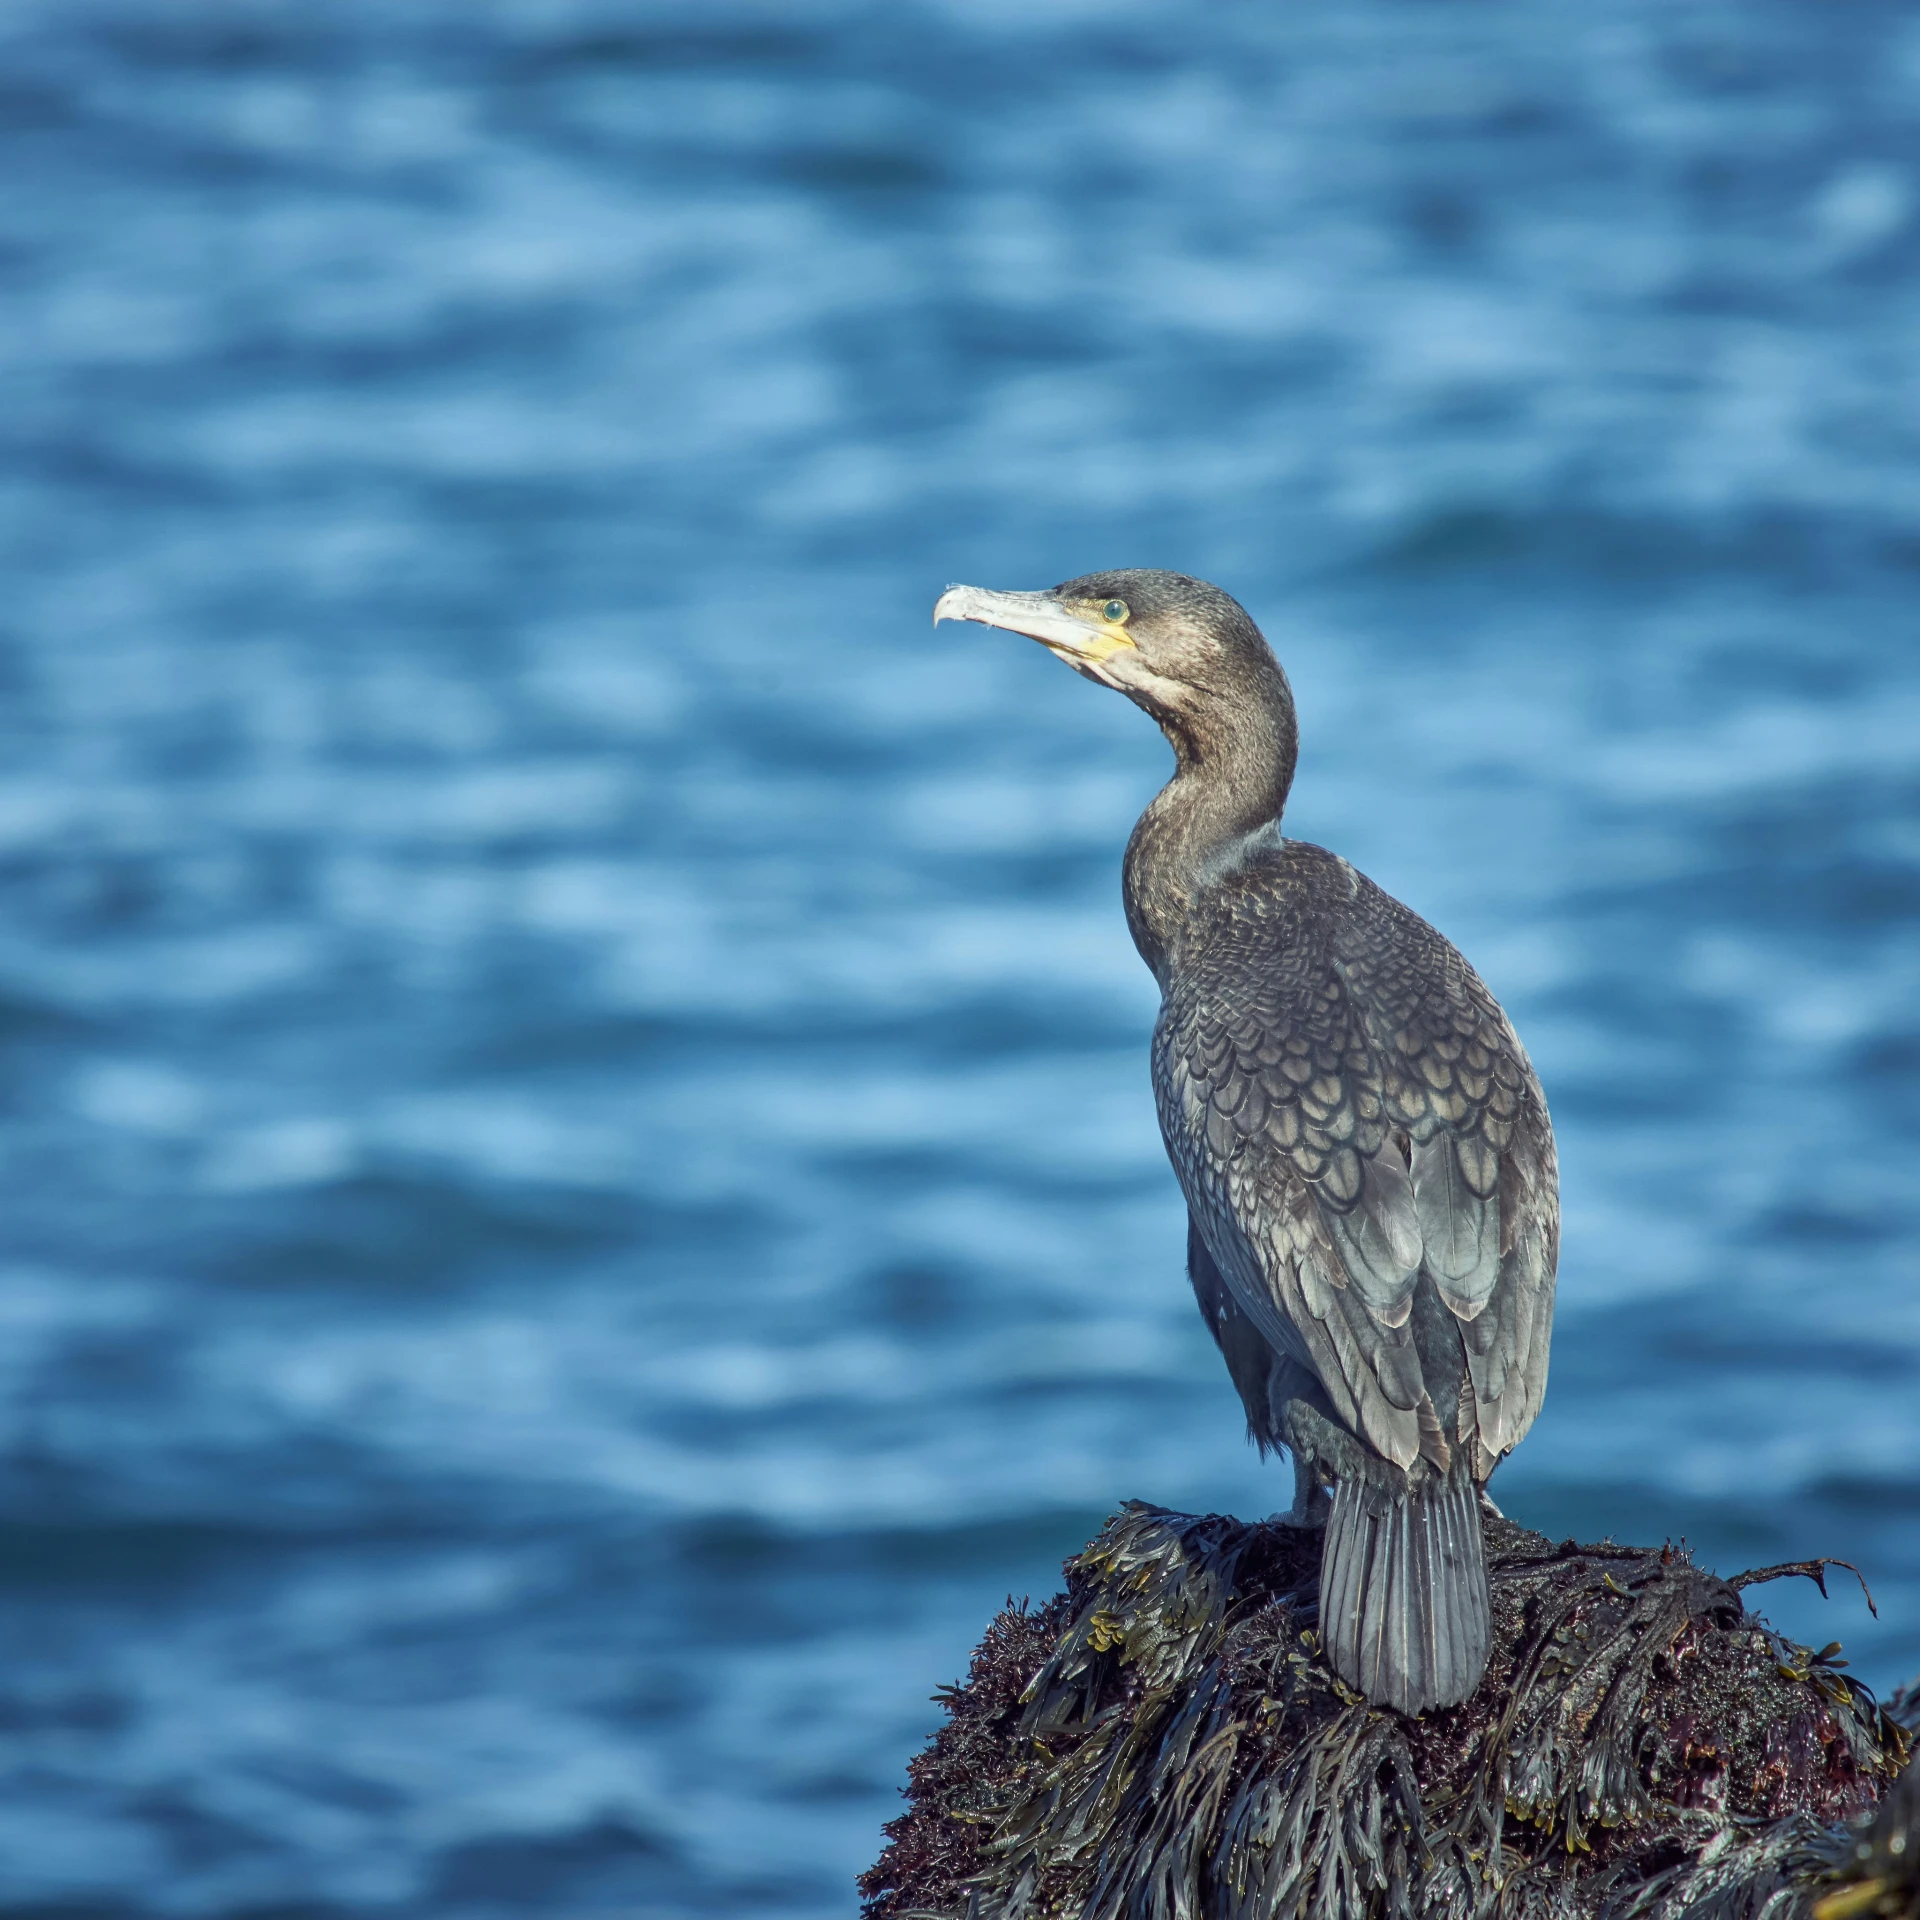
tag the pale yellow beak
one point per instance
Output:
(1075, 637)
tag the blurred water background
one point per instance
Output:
(581, 1194)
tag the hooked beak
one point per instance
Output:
(1078, 639)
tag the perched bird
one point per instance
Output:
(1366, 1155)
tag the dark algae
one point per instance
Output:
(1164, 1741)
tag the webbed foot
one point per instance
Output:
(1311, 1503)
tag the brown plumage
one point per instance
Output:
(1365, 1152)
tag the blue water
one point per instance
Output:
(581, 1199)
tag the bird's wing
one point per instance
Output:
(1457, 1082)
(1274, 1112)
(1344, 1101)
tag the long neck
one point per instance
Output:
(1233, 764)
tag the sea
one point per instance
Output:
(579, 1197)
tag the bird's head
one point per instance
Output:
(1180, 648)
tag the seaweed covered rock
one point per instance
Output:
(1164, 1742)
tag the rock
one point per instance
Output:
(1163, 1742)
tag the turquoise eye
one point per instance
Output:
(1114, 610)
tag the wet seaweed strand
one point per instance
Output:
(1164, 1742)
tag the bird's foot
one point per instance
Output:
(1311, 1506)
(1487, 1506)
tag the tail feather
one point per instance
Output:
(1404, 1609)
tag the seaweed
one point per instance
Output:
(1163, 1741)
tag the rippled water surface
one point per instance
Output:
(581, 1194)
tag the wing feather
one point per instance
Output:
(1379, 1238)
(1460, 1228)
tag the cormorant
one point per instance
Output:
(1368, 1165)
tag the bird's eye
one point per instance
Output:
(1115, 610)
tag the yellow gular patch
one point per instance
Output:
(1104, 637)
